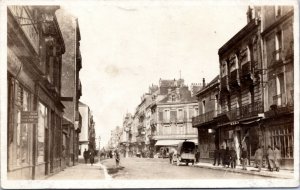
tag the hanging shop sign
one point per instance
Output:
(29, 117)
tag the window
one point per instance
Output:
(224, 68)
(166, 115)
(203, 106)
(282, 136)
(173, 115)
(180, 114)
(20, 137)
(278, 45)
(180, 129)
(166, 130)
(42, 124)
(277, 10)
(278, 98)
(196, 112)
(173, 98)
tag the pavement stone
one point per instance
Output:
(283, 174)
(79, 172)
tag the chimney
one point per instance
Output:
(203, 82)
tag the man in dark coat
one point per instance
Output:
(222, 155)
(92, 157)
(227, 157)
(216, 157)
(85, 155)
(233, 157)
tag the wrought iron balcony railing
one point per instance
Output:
(203, 118)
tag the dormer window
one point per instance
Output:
(173, 98)
(277, 10)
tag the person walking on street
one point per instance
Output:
(216, 157)
(197, 156)
(244, 156)
(258, 157)
(117, 158)
(222, 155)
(277, 158)
(270, 155)
(85, 155)
(92, 157)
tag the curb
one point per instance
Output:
(282, 176)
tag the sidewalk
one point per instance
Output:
(79, 172)
(284, 174)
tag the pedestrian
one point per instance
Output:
(244, 156)
(92, 156)
(216, 157)
(277, 158)
(197, 156)
(227, 158)
(117, 158)
(222, 155)
(270, 156)
(233, 158)
(258, 157)
(85, 155)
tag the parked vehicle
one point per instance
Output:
(185, 153)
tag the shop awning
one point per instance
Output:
(173, 142)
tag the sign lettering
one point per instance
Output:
(29, 117)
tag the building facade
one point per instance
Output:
(87, 136)
(35, 48)
(171, 118)
(71, 86)
(278, 80)
(205, 122)
(253, 101)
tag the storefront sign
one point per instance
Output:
(29, 117)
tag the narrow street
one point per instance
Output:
(151, 168)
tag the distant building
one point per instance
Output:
(171, 118)
(87, 134)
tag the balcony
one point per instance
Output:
(246, 111)
(204, 118)
(234, 80)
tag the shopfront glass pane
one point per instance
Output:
(25, 146)
(42, 122)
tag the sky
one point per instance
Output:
(127, 46)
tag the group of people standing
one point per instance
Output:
(89, 155)
(228, 157)
(225, 157)
(273, 157)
